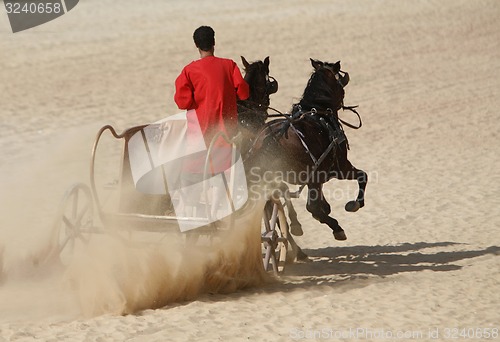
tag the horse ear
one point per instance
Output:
(316, 64)
(244, 61)
(266, 61)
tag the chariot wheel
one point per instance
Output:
(274, 236)
(74, 223)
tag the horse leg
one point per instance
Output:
(349, 172)
(320, 210)
(297, 253)
(295, 225)
(359, 202)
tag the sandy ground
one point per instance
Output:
(421, 259)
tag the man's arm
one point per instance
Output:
(241, 86)
(184, 97)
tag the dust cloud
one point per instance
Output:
(118, 271)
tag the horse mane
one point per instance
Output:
(318, 93)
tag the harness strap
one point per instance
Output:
(317, 162)
(299, 135)
(259, 135)
(352, 109)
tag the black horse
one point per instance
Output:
(252, 112)
(309, 147)
(252, 116)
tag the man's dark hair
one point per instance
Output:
(204, 38)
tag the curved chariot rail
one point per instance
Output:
(99, 134)
(155, 222)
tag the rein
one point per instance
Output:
(352, 109)
(257, 105)
(290, 117)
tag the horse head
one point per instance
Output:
(252, 112)
(325, 88)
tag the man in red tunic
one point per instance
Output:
(211, 86)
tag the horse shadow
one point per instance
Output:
(344, 263)
(351, 267)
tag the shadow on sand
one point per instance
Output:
(358, 261)
(357, 266)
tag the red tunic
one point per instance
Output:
(211, 86)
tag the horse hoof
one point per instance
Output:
(340, 235)
(301, 256)
(352, 206)
(296, 229)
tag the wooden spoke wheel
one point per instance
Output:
(74, 222)
(274, 236)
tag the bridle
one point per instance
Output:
(271, 85)
(341, 76)
(254, 112)
(342, 79)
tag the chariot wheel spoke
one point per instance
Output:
(64, 243)
(267, 257)
(82, 213)
(275, 266)
(274, 241)
(68, 223)
(74, 224)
